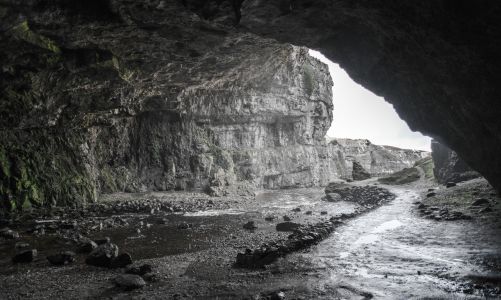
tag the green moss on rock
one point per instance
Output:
(40, 168)
(23, 31)
(308, 80)
(4, 164)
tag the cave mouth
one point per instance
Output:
(189, 155)
(360, 114)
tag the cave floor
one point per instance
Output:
(391, 252)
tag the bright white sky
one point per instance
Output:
(359, 114)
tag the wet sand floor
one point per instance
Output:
(388, 253)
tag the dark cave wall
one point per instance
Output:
(448, 166)
(111, 96)
(437, 62)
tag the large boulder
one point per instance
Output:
(335, 186)
(359, 173)
(25, 256)
(449, 167)
(103, 255)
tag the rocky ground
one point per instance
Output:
(472, 199)
(286, 244)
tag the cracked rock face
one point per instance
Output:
(150, 97)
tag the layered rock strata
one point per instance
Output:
(150, 97)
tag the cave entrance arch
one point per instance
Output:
(360, 114)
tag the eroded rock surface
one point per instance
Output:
(449, 167)
(136, 97)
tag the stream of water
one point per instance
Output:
(392, 253)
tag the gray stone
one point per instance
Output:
(62, 258)
(359, 172)
(25, 256)
(106, 240)
(184, 225)
(86, 245)
(480, 202)
(450, 184)
(103, 255)
(333, 197)
(129, 281)
(270, 218)
(287, 226)
(139, 270)
(9, 234)
(121, 261)
(250, 225)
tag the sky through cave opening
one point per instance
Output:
(360, 114)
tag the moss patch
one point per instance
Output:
(41, 168)
(308, 80)
(23, 32)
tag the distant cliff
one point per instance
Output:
(375, 159)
